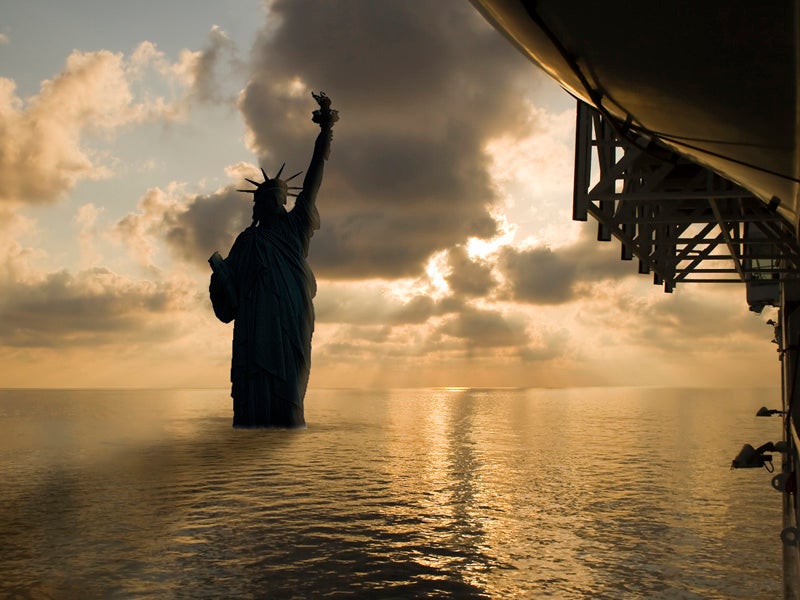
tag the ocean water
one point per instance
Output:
(455, 493)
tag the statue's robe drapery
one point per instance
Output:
(274, 318)
(266, 286)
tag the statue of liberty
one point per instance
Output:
(266, 287)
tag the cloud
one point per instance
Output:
(91, 307)
(97, 326)
(485, 328)
(210, 222)
(191, 227)
(370, 321)
(142, 230)
(693, 321)
(372, 303)
(469, 278)
(206, 81)
(542, 275)
(549, 344)
(421, 87)
(49, 142)
(199, 71)
(539, 275)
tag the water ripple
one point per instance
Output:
(427, 493)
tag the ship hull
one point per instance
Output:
(715, 81)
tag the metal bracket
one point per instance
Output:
(683, 222)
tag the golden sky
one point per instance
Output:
(446, 256)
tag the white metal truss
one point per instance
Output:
(683, 222)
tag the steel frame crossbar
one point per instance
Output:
(679, 219)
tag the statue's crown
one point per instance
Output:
(271, 185)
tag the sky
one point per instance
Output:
(446, 257)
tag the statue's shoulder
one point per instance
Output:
(244, 235)
(240, 244)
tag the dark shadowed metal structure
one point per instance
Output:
(683, 222)
(686, 152)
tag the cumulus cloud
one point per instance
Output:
(542, 275)
(469, 278)
(369, 320)
(421, 87)
(140, 231)
(203, 67)
(55, 322)
(90, 307)
(48, 141)
(191, 226)
(485, 328)
(42, 150)
(209, 223)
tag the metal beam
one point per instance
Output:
(674, 215)
(726, 233)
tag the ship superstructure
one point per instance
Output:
(686, 151)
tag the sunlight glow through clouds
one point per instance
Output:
(483, 249)
(435, 270)
(483, 279)
(532, 170)
(296, 88)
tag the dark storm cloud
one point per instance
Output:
(421, 86)
(468, 278)
(545, 276)
(86, 308)
(209, 223)
(540, 275)
(193, 227)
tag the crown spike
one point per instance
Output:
(264, 173)
(280, 171)
(247, 191)
(293, 176)
(292, 195)
(255, 183)
(294, 187)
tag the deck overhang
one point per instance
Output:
(716, 82)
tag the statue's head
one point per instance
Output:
(269, 197)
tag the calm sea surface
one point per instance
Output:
(579, 493)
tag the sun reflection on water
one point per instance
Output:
(445, 493)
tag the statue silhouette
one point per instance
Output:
(266, 287)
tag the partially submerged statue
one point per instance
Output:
(266, 286)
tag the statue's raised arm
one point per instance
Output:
(325, 117)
